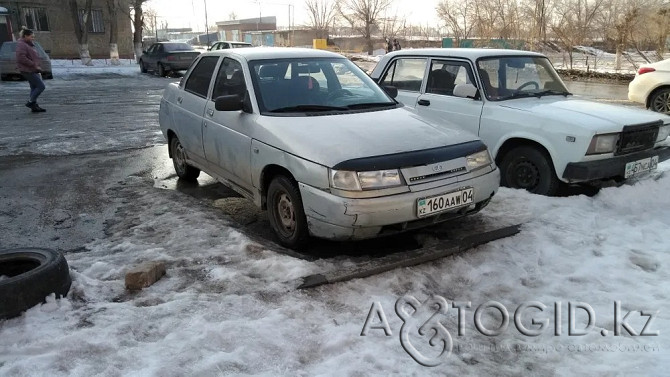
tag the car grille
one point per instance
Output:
(638, 138)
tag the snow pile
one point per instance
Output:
(225, 308)
(63, 68)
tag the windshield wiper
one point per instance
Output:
(291, 109)
(552, 92)
(370, 105)
(519, 95)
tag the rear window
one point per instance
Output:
(170, 47)
(8, 50)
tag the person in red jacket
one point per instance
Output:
(28, 63)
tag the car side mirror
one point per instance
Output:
(465, 91)
(392, 91)
(231, 102)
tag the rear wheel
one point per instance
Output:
(181, 167)
(286, 213)
(161, 70)
(528, 168)
(4, 78)
(660, 101)
(143, 68)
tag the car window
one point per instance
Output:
(199, 79)
(445, 75)
(160, 49)
(8, 51)
(229, 79)
(406, 74)
(171, 47)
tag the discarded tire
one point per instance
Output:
(28, 276)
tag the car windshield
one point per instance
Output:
(315, 85)
(171, 47)
(512, 77)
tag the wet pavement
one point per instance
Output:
(60, 171)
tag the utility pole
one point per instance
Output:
(156, 28)
(206, 24)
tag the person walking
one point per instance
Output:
(28, 63)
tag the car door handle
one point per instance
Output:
(424, 102)
(210, 112)
(179, 99)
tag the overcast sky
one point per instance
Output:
(191, 13)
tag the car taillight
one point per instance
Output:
(171, 57)
(644, 70)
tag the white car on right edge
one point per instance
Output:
(651, 86)
(540, 135)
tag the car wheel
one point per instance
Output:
(4, 77)
(286, 213)
(660, 101)
(530, 169)
(28, 276)
(143, 68)
(181, 167)
(161, 70)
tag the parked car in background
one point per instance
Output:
(540, 135)
(307, 135)
(651, 86)
(222, 45)
(165, 57)
(8, 68)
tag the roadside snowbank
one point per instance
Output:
(69, 68)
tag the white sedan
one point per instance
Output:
(540, 135)
(651, 86)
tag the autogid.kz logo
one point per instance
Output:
(423, 323)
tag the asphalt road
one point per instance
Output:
(60, 171)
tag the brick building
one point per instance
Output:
(54, 28)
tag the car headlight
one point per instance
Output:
(365, 180)
(663, 133)
(478, 160)
(605, 143)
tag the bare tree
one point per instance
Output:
(363, 16)
(321, 15)
(573, 22)
(232, 16)
(136, 14)
(82, 22)
(459, 17)
(114, 6)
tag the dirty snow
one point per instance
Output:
(227, 308)
(67, 68)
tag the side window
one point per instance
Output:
(444, 75)
(406, 74)
(151, 49)
(160, 49)
(199, 79)
(229, 79)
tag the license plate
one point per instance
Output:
(443, 202)
(641, 166)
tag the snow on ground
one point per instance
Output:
(227, 308)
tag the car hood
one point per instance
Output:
(596, 116)
(331, 139)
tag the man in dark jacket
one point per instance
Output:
(28, 63)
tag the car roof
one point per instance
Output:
(467, 53)
(238, 42)
(262, 53)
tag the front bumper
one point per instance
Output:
(337, 218)
(609, 167)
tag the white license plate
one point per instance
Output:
(439, 203)
(641, 166)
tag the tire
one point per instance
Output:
(659, 101)
(183, 169)
(161, 70)
(143, 68)
(4, 77)
(530, 169)
(286, 213)
(30, 275)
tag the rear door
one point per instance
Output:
(226, 134)
(190, 106)
(437, 101)
(149, 58)
(407, 74)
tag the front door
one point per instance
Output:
(226, 137)
(407, 75)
